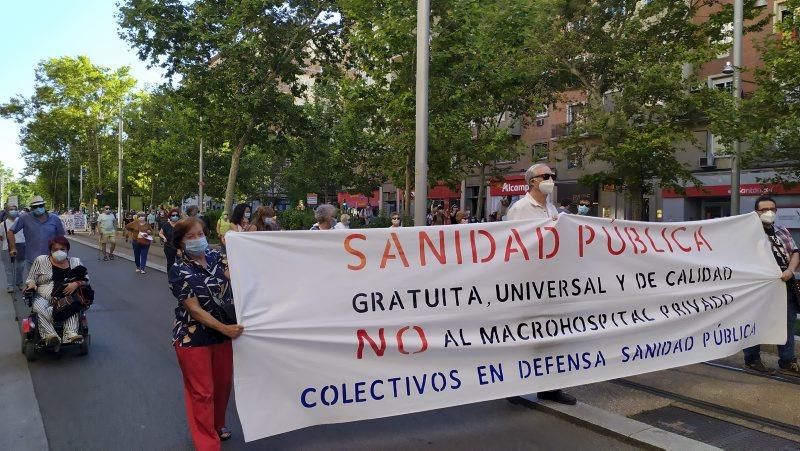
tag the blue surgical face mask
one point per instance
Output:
(196, 247)
(174, 218)
(13, 213)
(583, 210)
(38, 211)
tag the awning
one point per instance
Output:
(754, 189)
(511, 185)
(358, 200)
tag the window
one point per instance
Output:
(543, 112)
(574, 113)
(540, 152)
(574, 158)
(782, 12)
(722, 83)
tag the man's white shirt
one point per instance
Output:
(527, 208)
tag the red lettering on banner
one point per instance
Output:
(440, 255)
(700, 239)
(608, 237)
(510, 249)
(380, 350)
(664, 235)
(389, 256)
(401, 347)
(678, 243)
(362, 335)
(652, 243)
(360, 255)
(556, 242)
(583, 240)
(459, 259)
(492, 245)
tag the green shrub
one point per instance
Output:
(296, 219)
(212, 216)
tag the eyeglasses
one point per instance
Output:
(546, 176)
(764, 210)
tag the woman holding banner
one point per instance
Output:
(203, 332)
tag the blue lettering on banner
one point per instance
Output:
(405, 386)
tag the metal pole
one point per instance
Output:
(80, 189)
(120, 214)
(201, 200)
(738, 23)
(69, 182)
(421, 154)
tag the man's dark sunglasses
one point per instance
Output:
(546, 176)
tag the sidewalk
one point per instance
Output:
(21, 426)
(155, 258)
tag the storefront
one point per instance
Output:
(713, 200)
(511, 186)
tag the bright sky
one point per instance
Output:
(33, 30)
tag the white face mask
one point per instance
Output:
(546, 186)
(767, 217)
(59, 256)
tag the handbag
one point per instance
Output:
(225, 311)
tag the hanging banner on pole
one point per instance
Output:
(392, 321)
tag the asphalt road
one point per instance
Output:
(127, 393)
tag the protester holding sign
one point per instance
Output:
(787, 255)
(537, 205)
(203, 332)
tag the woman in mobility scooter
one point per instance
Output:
(58, 292)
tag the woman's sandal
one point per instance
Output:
(224, 434)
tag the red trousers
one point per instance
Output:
(207, 379)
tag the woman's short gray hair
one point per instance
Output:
(531, 172)
(324, 213)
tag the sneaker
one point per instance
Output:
(759, 367)
(77, 338)
(52, 340)
(111, 257)
(137, 270)
(105, 258)
(792, 369)
(142, 271)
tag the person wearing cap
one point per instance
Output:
(13, 271)
(38, 227)
(107, 221)
(141, 235)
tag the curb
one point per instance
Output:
(21, 425)
(154, 266)
(625, 428)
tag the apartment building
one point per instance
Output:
(704, 158)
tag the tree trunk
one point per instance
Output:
(99, 156)
(407, 192)
(636, 204)
(479, 213)
(235, 157)
(152, 190)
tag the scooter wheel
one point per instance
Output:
(30, 351)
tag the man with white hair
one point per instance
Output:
(537, 205)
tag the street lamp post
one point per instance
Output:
(120, 214)
(69, 181)
(738, 24)
(421, 147)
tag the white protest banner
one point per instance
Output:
(356, 324)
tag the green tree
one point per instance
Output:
(239, 61)
(769, 121)
(70, 120)
(631, 60)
